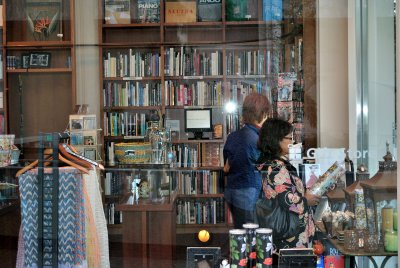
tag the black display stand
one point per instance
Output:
(48, 201)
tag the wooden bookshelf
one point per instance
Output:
(238, 56)
(39, 68)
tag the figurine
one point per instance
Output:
(224, 264)
(144, 189)
(135, 188)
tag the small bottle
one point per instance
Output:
(390, 240)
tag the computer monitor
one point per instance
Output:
(198, 121)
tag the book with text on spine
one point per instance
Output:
(209, 10)
(148, 11)
(180, 11)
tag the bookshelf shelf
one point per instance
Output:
(195, 228)
(200, 196)
(194, 24)
(140, 78)
(39, 70)
(38, 44)
(132, 25)
(198, 141)
(131, 108)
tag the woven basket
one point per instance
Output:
(134, 152)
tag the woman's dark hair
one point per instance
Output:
(272, 132)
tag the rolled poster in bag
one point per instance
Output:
(264, 247)
(251, 243)
(237, 245)
(329, 178)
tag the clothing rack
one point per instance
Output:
(48, 201)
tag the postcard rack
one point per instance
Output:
(48, 201)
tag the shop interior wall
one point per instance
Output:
(87, 56)
(332, 74)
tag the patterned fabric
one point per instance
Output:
(92, 185)
(281, 182)
(92, 245)
(71, 222)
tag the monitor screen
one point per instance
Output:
(198, 121)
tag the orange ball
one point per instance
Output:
(203, 236)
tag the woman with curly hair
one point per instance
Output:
(282, 185)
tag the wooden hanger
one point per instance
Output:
(70, 151)
(48, 152)
(67, 155)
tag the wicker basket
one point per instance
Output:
(132, 153)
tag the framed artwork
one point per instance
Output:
(207, 257)
(39, 60)
(90, 138)
(43, 19)
(76, 138)
(82, 122)
(76, 123)
(89, 122)
(90, 153)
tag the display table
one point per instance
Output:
(361, 253)
(358, 252)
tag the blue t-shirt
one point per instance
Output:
(242, 152)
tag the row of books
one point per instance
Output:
(124, 124)
(112, 215)
(196, 93)
(200, 211)
(196, 182)
(112, 184)
(188, 61)
(186, 155)
(232, 122)
(237, 90)
(148, 11)
(131, 93)
(248, 62)
(212, 155)
(13, 62)
(132, 64)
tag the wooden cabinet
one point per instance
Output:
(39, 67)
(148, 236)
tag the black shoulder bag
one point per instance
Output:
(269, 214)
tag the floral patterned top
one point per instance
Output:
(281, 182)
